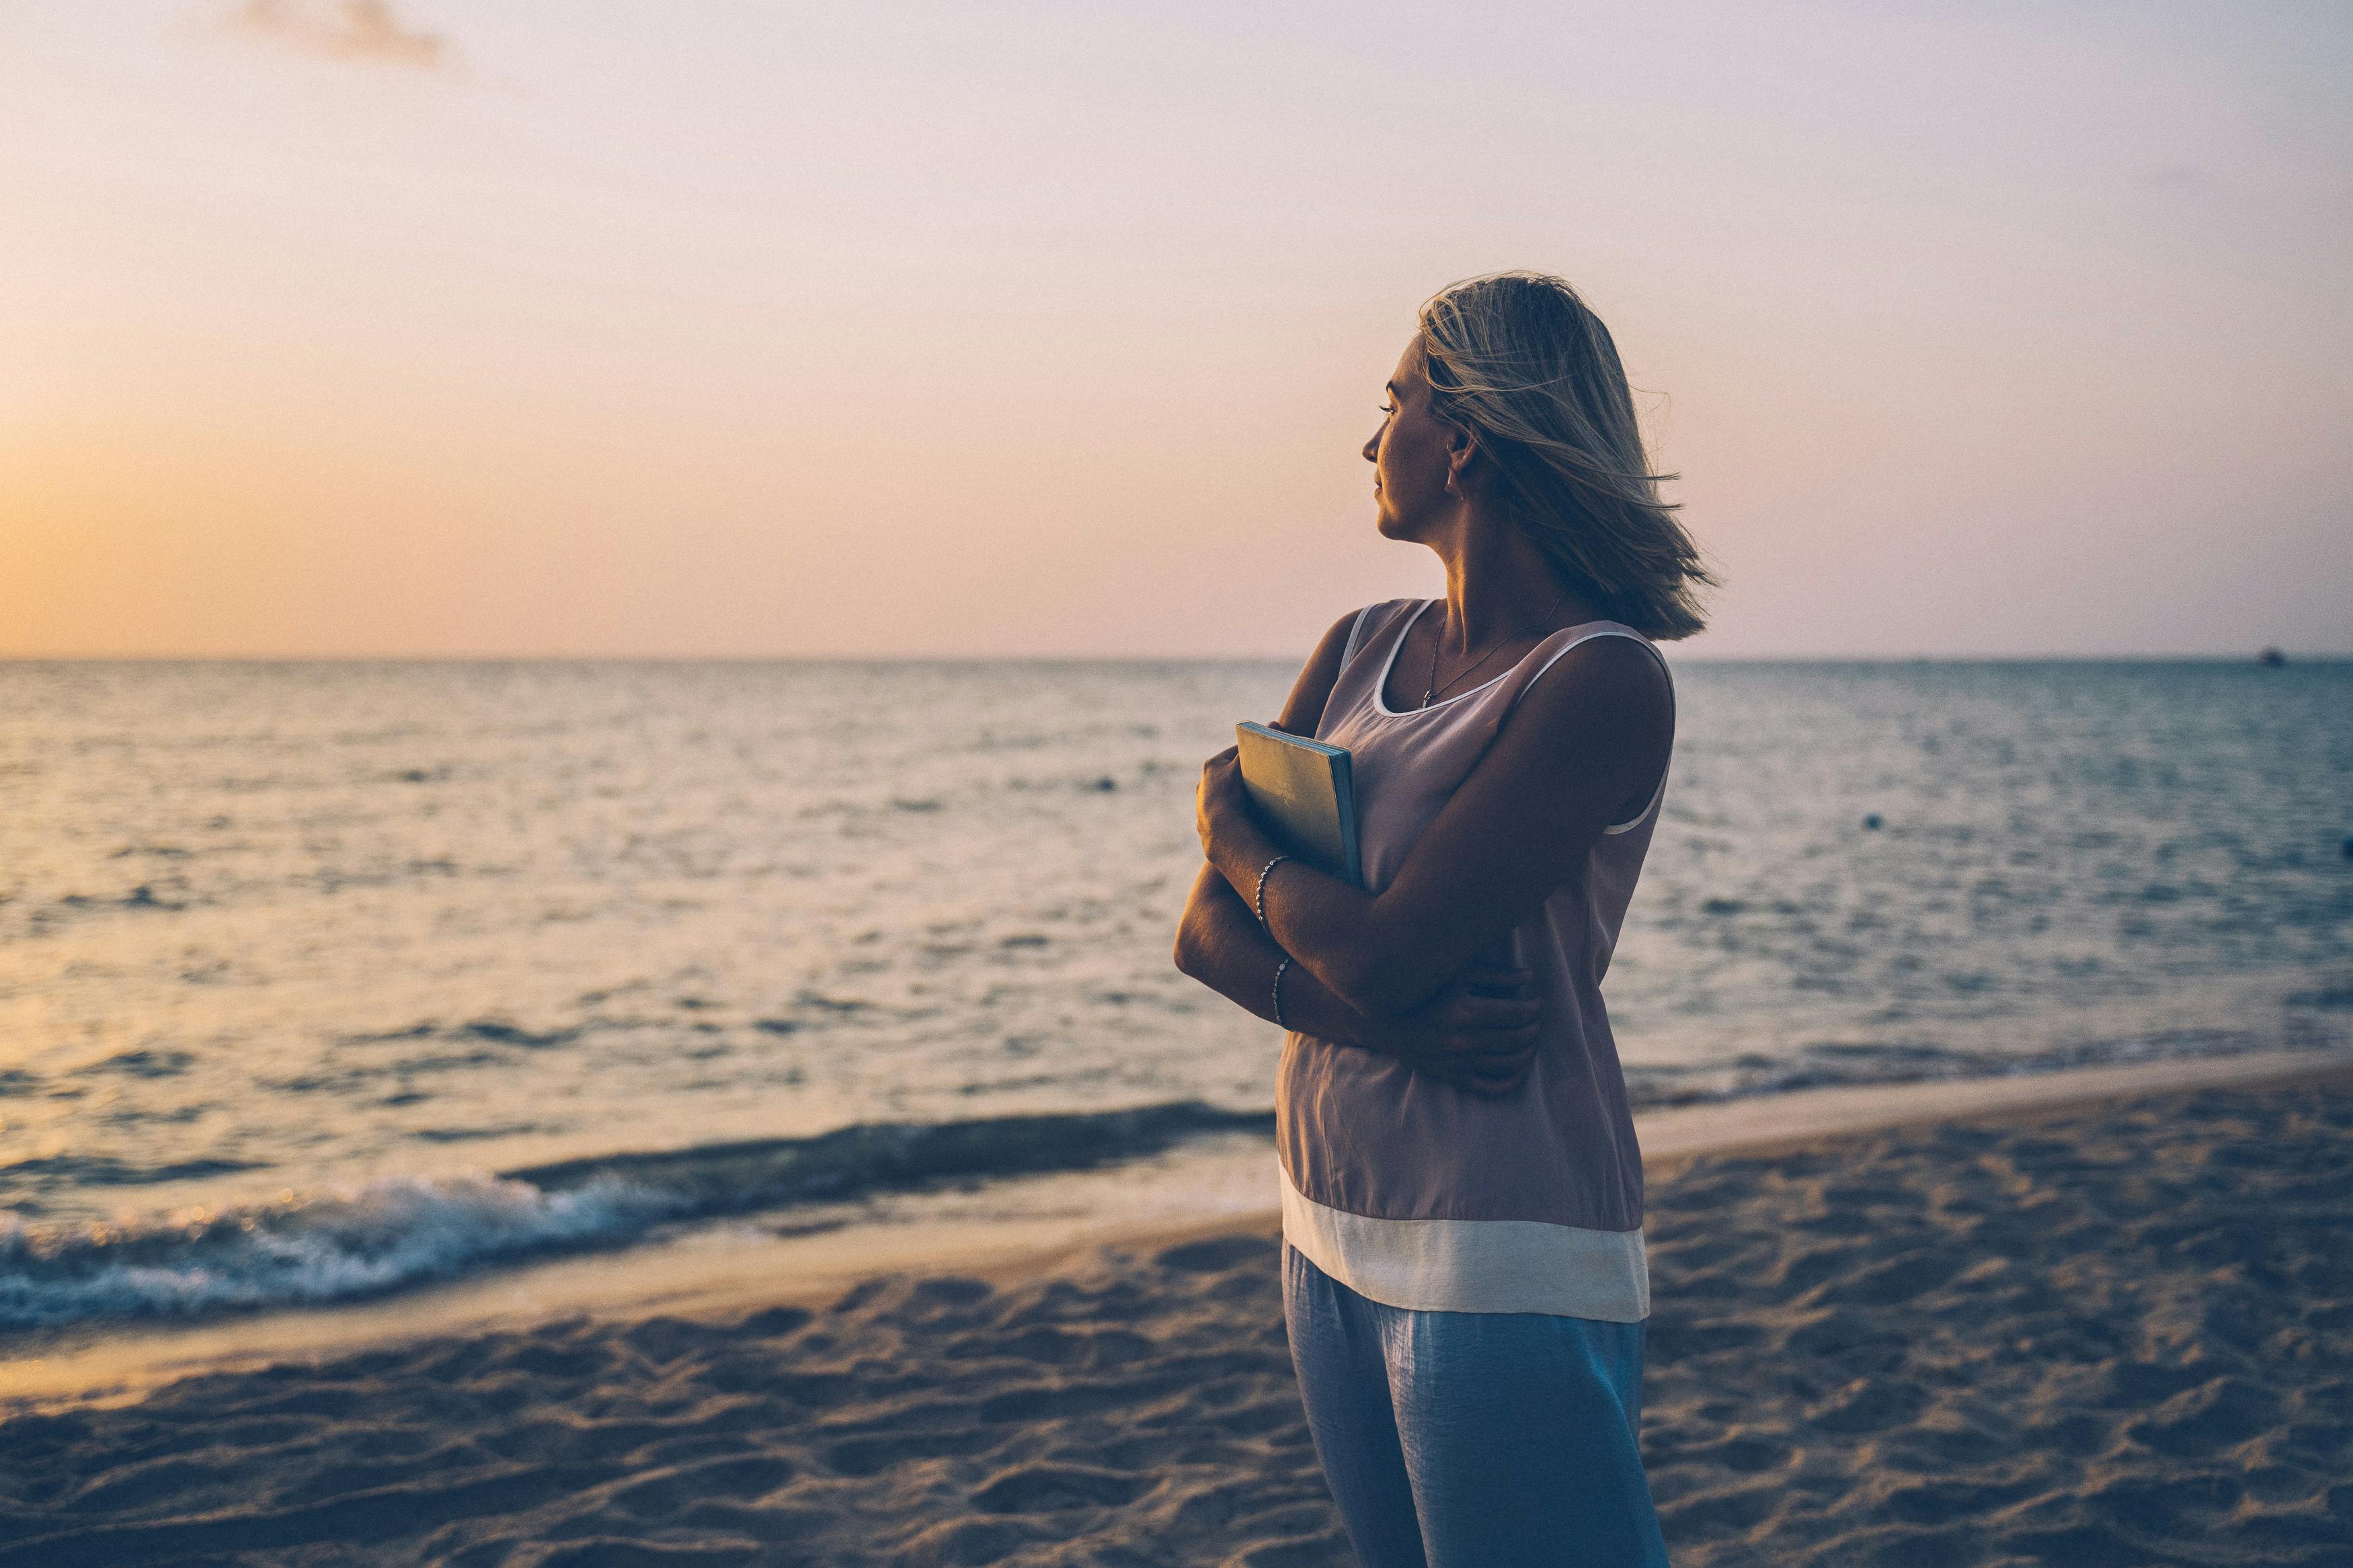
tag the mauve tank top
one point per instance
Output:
(1423, 1195)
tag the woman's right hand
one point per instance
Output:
(1479, 1033)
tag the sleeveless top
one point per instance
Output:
(1402, 1186)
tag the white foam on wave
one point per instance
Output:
(344, 1242)
(329, 1247)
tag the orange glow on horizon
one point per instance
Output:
(440, 333)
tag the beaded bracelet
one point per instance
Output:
(1258, 903)
(1277, 992)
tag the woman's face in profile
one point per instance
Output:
(1411, 452)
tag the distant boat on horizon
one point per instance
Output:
(2271, 658)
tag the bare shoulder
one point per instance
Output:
(1605, 687)
(1304, 708)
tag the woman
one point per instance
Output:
(1463, 1274)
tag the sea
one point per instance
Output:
(320, 981)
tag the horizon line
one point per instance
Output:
(2254, 656)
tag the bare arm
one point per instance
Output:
(1213, 946)
(1220, 944)
(1480, 1032)
(1585, 745)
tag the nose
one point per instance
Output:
(1372, 447)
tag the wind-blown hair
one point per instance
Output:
(1519, 359)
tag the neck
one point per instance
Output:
(1498, 584)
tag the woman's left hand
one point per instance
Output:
(1221, 806)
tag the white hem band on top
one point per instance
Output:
(1473, 1265)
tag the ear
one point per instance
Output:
(1461, 445)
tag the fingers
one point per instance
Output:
(1489, 1023)
(1475, 1025)
(1491, 1062)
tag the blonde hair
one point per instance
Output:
(1519, 359)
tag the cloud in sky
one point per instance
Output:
(364, 30)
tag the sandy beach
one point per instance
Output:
(2049, 1327)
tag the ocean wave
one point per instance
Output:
(313, 1249)
(303, 1251)
(400, 1231)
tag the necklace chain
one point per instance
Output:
(1437, 641)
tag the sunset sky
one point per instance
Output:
(551, 327)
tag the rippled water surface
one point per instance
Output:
(272, 930)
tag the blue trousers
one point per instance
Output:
(1473, 1440)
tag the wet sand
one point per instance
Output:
(2118, 1331)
